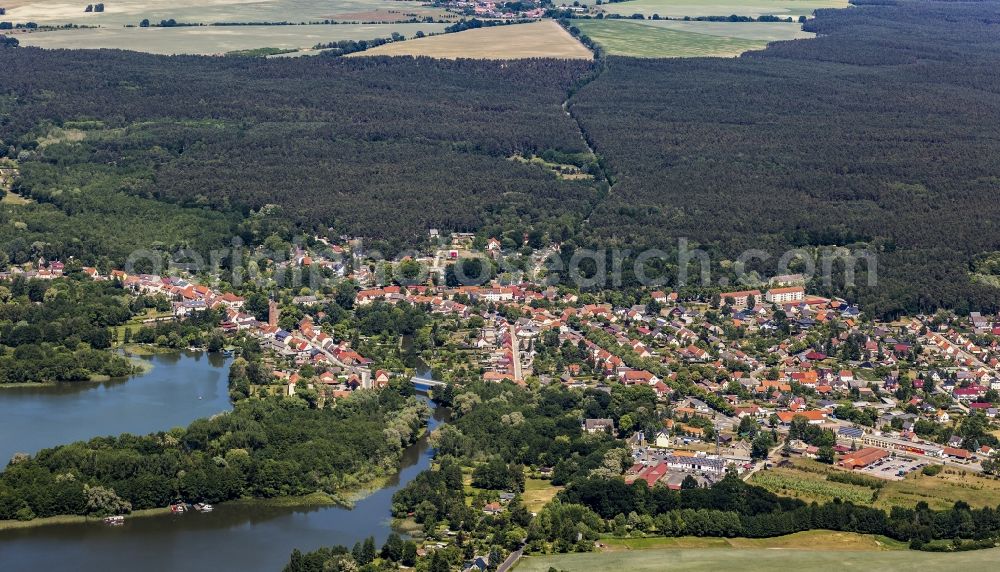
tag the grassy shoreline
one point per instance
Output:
(142, 366)
(95, 379)
(316, 499)
(75, 519)
(145, 350)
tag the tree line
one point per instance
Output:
(734, 508)
(59, 330)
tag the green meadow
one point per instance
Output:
(647, 39)
(209, 40)
(762, 560)
(693, 8)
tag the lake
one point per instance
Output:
(180, 388)
(234, 537)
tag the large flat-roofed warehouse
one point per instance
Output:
(862, 458)
(901, 445)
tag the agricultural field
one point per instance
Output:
(942, 491)
(130, 12)
(761, 560)
(769, 31)
(544, 39)
(810, 487)
(810, 539)
(693, 8)
(642, 40)
(209, 40)
(806, 480)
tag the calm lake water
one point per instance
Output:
(180, 388)
(240, 537)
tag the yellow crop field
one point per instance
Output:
(544, 39)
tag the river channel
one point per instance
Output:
(245, 537)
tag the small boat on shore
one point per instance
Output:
(114, 520)
(203, 507)
(178, 508)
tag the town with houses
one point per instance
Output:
(771, 359)
(228, 331)
(497, 10)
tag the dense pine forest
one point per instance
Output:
(882, 133)
(382, 148)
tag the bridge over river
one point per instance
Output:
(425, 383)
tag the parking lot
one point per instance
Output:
(894, 468)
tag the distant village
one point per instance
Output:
(499, 10)
(814, 373)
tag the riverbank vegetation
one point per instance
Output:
(75, 519)
(475, 498)
(264, 448)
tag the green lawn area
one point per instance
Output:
(10, 198)
(137, 322)
(693, 8)
(538, 492)
(637, 39)
(761, 560)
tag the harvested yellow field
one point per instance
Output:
(544, 39)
